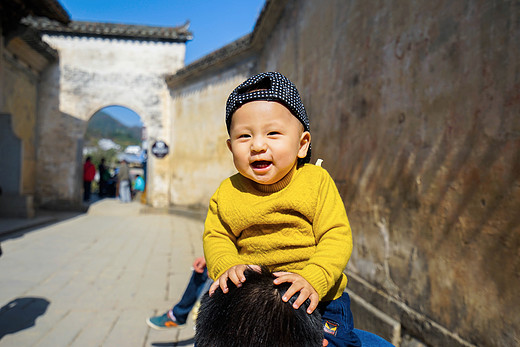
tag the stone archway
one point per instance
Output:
(102, 64)
(114, 133)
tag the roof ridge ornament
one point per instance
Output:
(112, 30)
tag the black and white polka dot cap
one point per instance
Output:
(270, 86)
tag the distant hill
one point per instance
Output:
(102, 125)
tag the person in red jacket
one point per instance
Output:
(89, 171)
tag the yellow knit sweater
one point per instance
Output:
(298, 224)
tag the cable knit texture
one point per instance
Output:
(298, 224)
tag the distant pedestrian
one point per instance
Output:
(89, 171)
(104, 176)
(138, 187)
(124, 182)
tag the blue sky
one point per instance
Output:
(213, 23)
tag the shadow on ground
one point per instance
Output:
(20, 314)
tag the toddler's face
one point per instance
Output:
(266, 140)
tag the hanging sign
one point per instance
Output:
(160, 149)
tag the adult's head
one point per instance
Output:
(255, 315)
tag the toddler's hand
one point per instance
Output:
(299, 284)
(235, 274)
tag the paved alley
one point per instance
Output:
(93, 279)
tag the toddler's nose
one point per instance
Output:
(258, 145)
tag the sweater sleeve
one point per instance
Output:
(219, 243)
(333, 240)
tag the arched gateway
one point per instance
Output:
(101, 64)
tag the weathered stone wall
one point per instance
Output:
(18, 105)
(200, 159)
(20, 97)
(60, 174)
(94, 73)
(415, 108)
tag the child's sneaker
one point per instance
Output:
(163, 322)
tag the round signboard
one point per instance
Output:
(160, 149)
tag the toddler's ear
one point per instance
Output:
(305, 141)
(228, 143)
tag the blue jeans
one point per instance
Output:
(371, 340)
(198, 282)
(338, 323)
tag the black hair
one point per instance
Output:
(255, 315)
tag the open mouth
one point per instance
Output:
(260, 164)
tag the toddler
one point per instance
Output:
(279, 211)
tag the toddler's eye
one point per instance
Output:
(244, 136)
(273, 133)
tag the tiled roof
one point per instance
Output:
(248, 44)
(32, 38)
(11, 11)
(123, 31)
(232, 49)
(50, 9)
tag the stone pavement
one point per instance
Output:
(93, 279)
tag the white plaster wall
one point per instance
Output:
(97, 72)
(200, 159)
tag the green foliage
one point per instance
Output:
(103, 126)
(109, 155)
